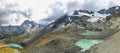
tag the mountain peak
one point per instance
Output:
(76, 12)
(111, 10)
(28, 23)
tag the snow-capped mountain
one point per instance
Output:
(82, 15)
(112, 10)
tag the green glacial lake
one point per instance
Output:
(86, 44)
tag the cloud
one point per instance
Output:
(9, 15)
(14, 12)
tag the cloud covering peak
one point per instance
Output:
(14, 12)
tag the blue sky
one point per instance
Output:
(14, 12)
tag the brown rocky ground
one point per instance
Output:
(57, 46)
(112, 45)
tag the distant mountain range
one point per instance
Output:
(23, 29)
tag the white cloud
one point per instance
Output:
(49, 10)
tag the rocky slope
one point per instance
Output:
(70, 28)
(25, 28)
(111, 44)
(61, 35)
